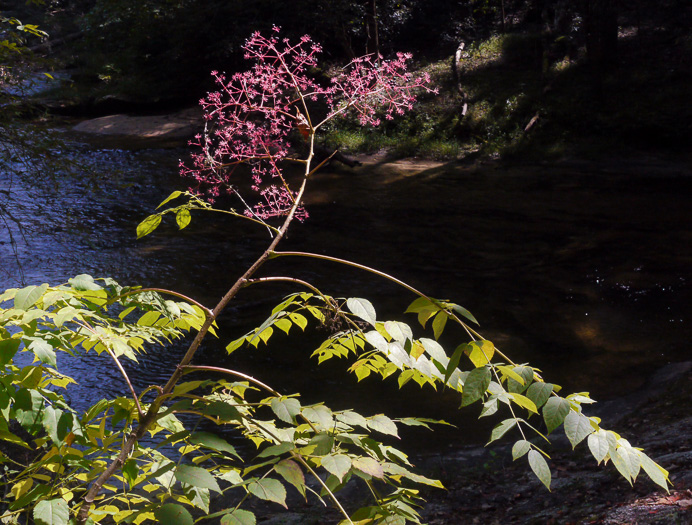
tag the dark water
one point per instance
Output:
(585, 272)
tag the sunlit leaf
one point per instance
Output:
(658, 474)
(238, 517)
(369, 466)
(183, 218)
(286, 409)
(52, 512)
(27, 297)
(148, 225)
(383, 424)
(577, 427)
(172, 196)
(268, 489)
(439, 323)
(520, 448)
(292, 473)
(539, 393)
(338, 464)
(480, 352)
(501, 429)
(598, 444)
(197, 477)
(84, 282)
(362, 308)
(554, 412)
(540, 467)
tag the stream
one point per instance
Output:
(582, 270)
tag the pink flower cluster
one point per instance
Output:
(249, 119)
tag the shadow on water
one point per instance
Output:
(580, 271)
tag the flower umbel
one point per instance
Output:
(254, 115)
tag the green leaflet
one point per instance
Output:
(197, 477)
(501, 429)
(520, 448)
(173, 513)
(540, 467)
(383, 424)
(238, 517)
(269, 489)
(539, 392)
(212, 441)
(148, 225)
(27, 297)
(577, 427)
(369, 466)
(319, 415)
(183, 218)
(337, 464)
(52, 512)
(362, 308)
(286, 409)
(554, 412)
(476, 384)
(292, 473)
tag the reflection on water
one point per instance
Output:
(585, 274)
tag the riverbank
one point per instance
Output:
(484, 486)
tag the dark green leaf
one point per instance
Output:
(130, 472)
(476, 384)
(322, 444)
(197, 477)
(212, 441)
(464, 312)
(276, 450)
(526, 374)
(291, 472)
(8, 347)
(539, 393)
(173, 513)
(554, 412)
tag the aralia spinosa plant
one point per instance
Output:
(96, 467)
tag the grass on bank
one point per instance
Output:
(524, 103)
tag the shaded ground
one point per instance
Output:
(485, 487)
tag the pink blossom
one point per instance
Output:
(249, 119)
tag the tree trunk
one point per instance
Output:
(373, 43)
